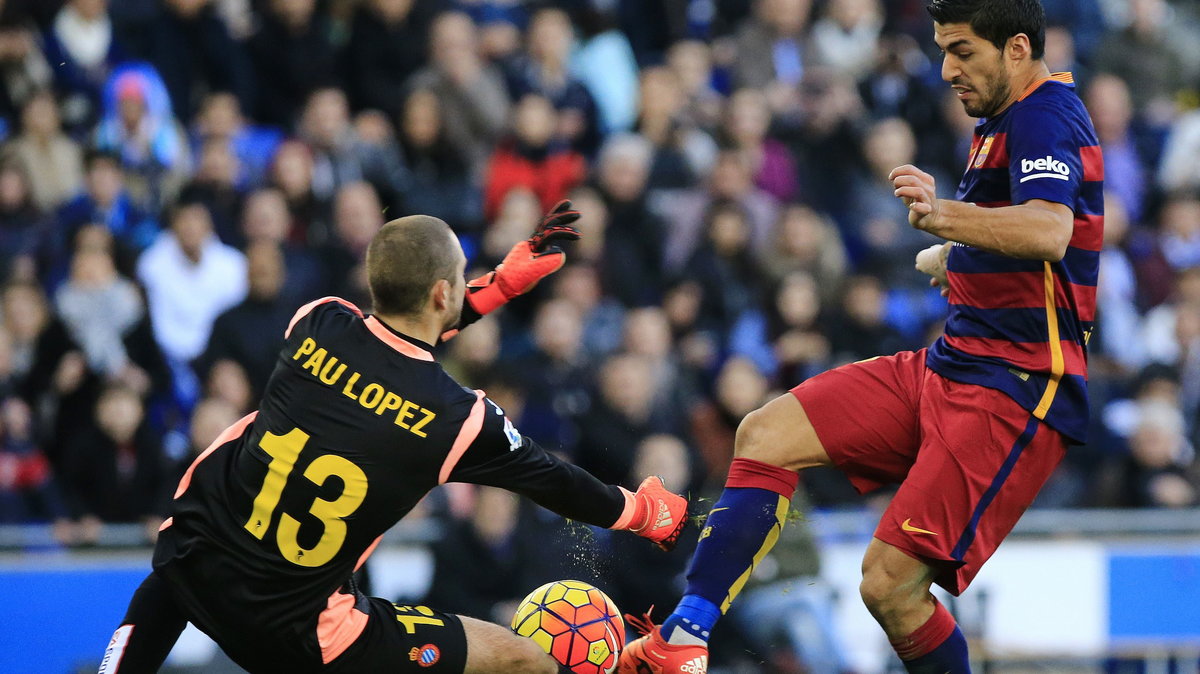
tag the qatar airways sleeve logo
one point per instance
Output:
(1046, 167)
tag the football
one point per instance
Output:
(576, 623)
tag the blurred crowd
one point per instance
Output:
(178, 176)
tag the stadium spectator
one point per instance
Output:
(787, 336)
(773, 50)
(682, 150)
(747, 120)
(474, 100)
(519, 205)
(190, 278)
(691, 61)
(250, 333)
(894, 88)
(23, 68)
(633, 235)
(116, 472)
(473, 356)
(533, 157)
(858, 330)
(805, 240)
(228, 383)
(357, 215)
(29, 491)
(1179, 225)
(1116, 291)
(739, 389)
(555, 377)
(1148, 57)
(440, 181)
(724, 266)
(292, 175)
(104, 201)
(845, 38)
(875, 220)
(105, 315)
(603, 316)
(23, 226)
(1160, 469)
(293, 55)
(265, 219)
(214, 184)
(622, 414)
(84, 48)
(604, 62)
(220, 119)
(52, 160)
(387, 44)
(209, 418)
(544, 70)
(190, 46)
(732, 181)
(1110, 103)
(647, 333)
(830, 115)
(343, 155)
(137, 125)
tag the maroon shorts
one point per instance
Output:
(968, 459)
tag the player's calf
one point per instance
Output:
(895, 589)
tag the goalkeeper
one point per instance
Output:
(357, 423)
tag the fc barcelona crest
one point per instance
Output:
(981, 156)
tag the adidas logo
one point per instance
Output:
(664, 516)
(695, 665)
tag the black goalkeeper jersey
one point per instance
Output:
(356, 425)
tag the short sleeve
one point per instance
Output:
(1044, 157)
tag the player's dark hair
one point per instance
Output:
(996, 20)
(406, 257)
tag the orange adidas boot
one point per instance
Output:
(651, 654)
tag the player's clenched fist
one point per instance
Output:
(918, 191)
(654, 513)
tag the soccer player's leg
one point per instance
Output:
(859, 417)
(403, 638)
(151, 625)
(492, 648)
(981, 462)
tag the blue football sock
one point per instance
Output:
(741, 529)
(948, 658)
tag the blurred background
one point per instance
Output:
(178, 176)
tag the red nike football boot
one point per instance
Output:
(651, 654)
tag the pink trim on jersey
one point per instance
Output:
(339, 625)
(166, 523)
(466, 435)
(226, 435)
(304, 310)
(387, 337)
(367, 553)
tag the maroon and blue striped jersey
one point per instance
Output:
(1022, 326)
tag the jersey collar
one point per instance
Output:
(1062, 78)
(408, 346)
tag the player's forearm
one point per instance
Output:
(574, 493)
(1022, 231)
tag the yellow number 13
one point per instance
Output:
(284, 450)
